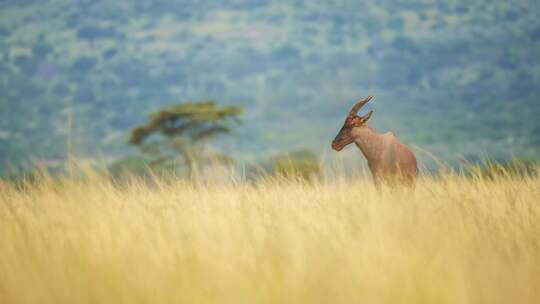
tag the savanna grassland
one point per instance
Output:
(454, 239)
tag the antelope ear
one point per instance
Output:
(366, 117)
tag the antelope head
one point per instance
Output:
(344, 137)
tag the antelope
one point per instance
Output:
(389, 160)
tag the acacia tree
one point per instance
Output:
(183, 131)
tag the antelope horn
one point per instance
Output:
(359, 105)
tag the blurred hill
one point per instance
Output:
(453, 77)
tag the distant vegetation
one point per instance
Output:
(176, 138)
(302, 164)
(456, 78)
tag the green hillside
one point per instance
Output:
(452, 77)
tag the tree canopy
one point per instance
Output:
(183, 130)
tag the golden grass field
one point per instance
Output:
(451, 240)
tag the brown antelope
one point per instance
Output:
(389, 160)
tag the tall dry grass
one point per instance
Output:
(451, 240)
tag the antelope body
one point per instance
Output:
(389, 160)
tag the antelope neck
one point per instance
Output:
(369, 141)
